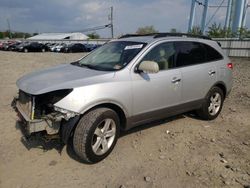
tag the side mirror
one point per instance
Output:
(148, 67)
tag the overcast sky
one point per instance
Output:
(76, 15)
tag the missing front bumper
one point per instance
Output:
(28, 126)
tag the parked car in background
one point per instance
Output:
(91, 47)
(75, 47)
(60, 47)
(2, 45)
(49, 45)
(20, 46)
(32, 47)
(52, 47)
(26, 46)
(13, 47)
(7, 45)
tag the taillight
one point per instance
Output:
(230, 65)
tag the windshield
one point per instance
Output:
(112, 56)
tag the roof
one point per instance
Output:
(148, 38)
(59, 36)
(143, 39)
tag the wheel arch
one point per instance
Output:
(121, 112)
(69, 126)
(222, 86)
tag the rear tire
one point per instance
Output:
(26, 50)
(212, 104)
(96, 135)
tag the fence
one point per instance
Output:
(235, 47)
(67, 41)
(232, 47)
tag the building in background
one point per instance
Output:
(59, 36)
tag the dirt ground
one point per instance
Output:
(178, 152)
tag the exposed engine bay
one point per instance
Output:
(38, 113)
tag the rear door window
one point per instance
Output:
(192, 53)
(189, 53)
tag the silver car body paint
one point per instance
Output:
(131, 91)
(64, 76)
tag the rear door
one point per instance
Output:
(198, 75)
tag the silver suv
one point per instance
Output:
(125, 83)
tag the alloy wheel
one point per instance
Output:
(215, 104)
(104, 136)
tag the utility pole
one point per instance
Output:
(245, 14)
(228, 16)
(204, 17)
(10, 35)
(111, 22)
(191, 17)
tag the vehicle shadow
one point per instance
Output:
(39, 142)
(70, 151)
(72, 154)
(151, 125)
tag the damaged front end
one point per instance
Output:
(37, 113)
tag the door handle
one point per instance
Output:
(175, 80)
(211, 72)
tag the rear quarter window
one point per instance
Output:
(212, 54)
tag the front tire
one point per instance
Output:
(96, 135)
(212, 105)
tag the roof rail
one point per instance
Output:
(136, 35)
(159, 35)
(181, 35)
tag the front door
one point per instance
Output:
(156, 93)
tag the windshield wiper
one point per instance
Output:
(88, 66)
(77, 63)
(95, 67)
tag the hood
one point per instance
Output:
(64, 76)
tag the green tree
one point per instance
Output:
(216, 31)
(146, 30)
(196, 30)
(6, 34)
(27, 35)
(93, 35)
(243, 33)
(228, 33)
(173, 30)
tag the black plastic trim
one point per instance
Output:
(162, 113)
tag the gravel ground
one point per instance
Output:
(178, 152)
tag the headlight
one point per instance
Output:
(45, 102)
(54, 96)
(66, 113)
